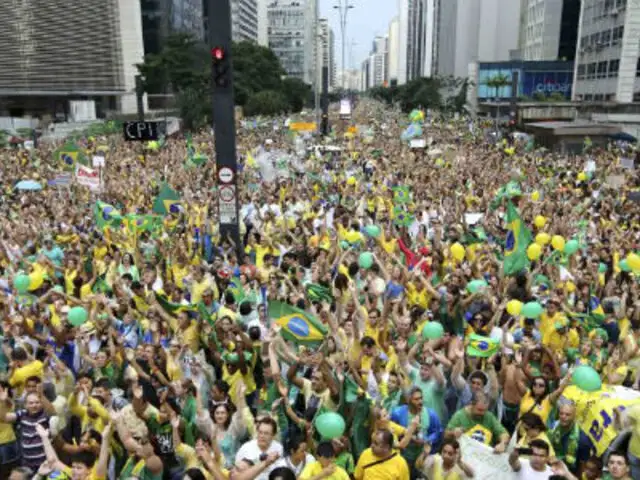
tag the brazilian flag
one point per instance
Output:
(106, 215)
(167, 201)
(68, 155)
(401, 195)
(595, 308)
(518, 239)
(142, 223)
(483, 347)
(297, 325)
(174, 308)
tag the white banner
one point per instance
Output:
(486, 464)
(88, 177)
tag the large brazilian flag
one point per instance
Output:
(297, 325)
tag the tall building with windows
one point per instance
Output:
(245, 19)
(55, 51)
(549, 29)
(393, 50)
(607, 67)
(416, 46)
(475, 30)
(160, 18)
(326, 52)
(292, 30)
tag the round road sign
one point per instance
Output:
(227, 194)
(225, 174)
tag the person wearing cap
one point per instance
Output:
(324, 468)
(551, 316)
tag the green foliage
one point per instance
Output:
(183, 67)
(266, 102)
(194, 105)
(498, 82)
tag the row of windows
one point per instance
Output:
(603, 9)
(602, 69)
(609, 37)
(597, 97)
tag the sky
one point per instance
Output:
(367, 19)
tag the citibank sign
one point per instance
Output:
(553, 87)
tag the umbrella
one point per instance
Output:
(28, 185)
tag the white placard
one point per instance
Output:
(97, 161)
(590, 166)
(418, 143)
(486, 464)
(472, 218)
(28, 144)
(88, 177)
(627, 163)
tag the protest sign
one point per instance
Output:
(486, 464)
(88, 177)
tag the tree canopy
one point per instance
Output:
(260, 85)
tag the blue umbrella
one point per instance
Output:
(28, 185)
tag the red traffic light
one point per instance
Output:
(217, 53)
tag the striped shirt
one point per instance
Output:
(30, 442)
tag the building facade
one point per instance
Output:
(549, 29)
(326, 57)
(160, 18)
(245, 19)
(475, 30)
(54, 51)
(393, 50)
(607, 66)
(417, 43)
(292, 31)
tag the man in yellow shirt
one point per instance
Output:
(23, 368)
(380, 461)
(324, 468)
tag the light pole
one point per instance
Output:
(343, 8)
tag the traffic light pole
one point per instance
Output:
(219, 22)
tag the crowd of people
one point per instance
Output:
(375, 320)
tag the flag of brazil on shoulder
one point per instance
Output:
(297, 325)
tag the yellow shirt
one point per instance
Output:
(233, 379)
(543, 410)
(315, 468)
(542, 436)
(92, 475)
(198, 288)
(20, 375)
(7, 434)
(393, 467)
(559, 343)
(547, 323)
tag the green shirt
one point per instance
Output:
(485, 429)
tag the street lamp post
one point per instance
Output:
(343, 8)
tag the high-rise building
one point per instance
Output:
(263, 22)
(393, 51)
(607, 66)
(326, 53)
(417, 39)
(549, 29)
(475, 30)
(160, 18)
(245, 19)
(54, 51)
(292, 30)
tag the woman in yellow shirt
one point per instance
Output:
(537, 400)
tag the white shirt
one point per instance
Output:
(251, 451)
(297, 469)
(528, 473)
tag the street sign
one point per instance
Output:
(225, 174)
(227, 204)
(141, 131)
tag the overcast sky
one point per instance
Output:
(367, 19)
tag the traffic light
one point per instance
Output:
(220, 65)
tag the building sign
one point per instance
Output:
(547, 83)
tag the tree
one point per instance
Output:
(296, 92)
(195, 107)
(266, 102)
(255, 68)
(498, 82)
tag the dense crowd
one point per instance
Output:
(389, 311)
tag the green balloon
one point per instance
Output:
(372, 230)
(586, 378)
(602, 268)
(21, 283)
(476, 285)
(624, 265)
(344, 244)
(330, 425)
(531, 310)
(77, 316)
(571, 247)
(365, 260)
(433, 331)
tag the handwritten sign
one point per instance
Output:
(486, 464)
